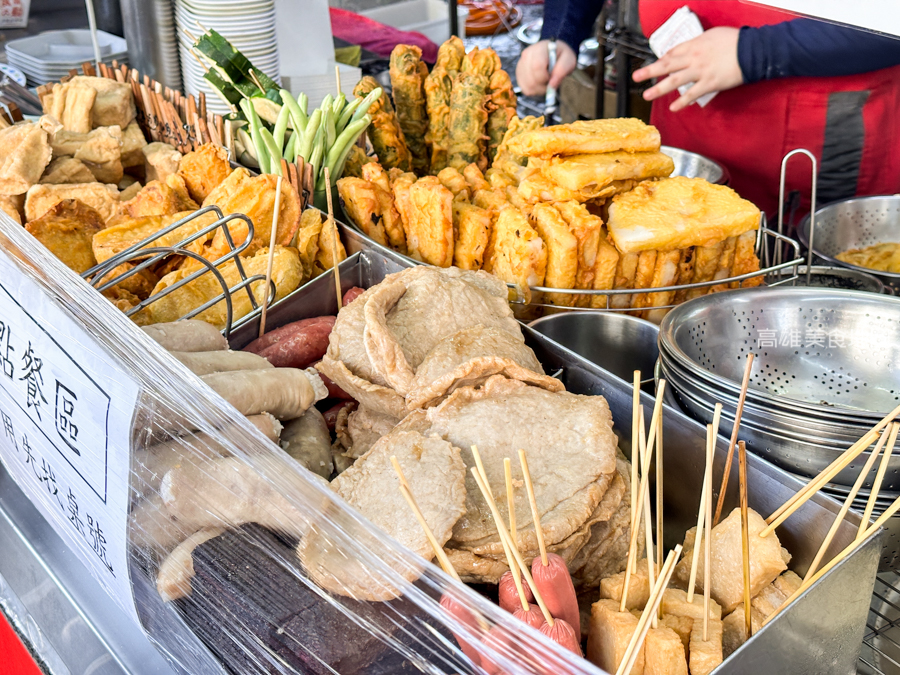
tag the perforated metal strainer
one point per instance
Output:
(853, 224)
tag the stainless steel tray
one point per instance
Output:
(801, 639)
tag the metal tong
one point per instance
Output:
(550, 97)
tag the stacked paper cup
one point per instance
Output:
(249, 25)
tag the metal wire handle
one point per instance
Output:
(812, 205)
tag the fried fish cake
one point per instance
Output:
(562, 253)
(361, 204)
(124, 232)
(430, 235)
(519, 256)
(581, 172)
(473, 229)
(586, 229)
(587, 137)
(158, 198)
(66, 229)
(102, 198)
(204, 170)
(255, 198)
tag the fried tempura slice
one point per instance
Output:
(362, 206)
(665, 274)
(473, 229)
(519, 255)
(390, 216)
(580, 172)
(587, 229)
(286, 273)
(255, 198)
(430, 235)
(745, 260)
(329, 242)
(308, 239)
(203, 170)
(408, 74)
(384, 131)
(706, 261)
(588, 137)
(159, 198)
(101, 198)
(643, 277)
(723, 269)
(626, 270)
(475, 178)
(66, 170)
(502, 104)
(124, 232)
(685, 273)
(355, 161)
(66, 229)
(401, 182)
(562, 253)
(454, 181)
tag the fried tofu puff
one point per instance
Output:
(562, 253)
(430, 233)
(160, 198)
(473, 229)
(384, 131)
(361, 204)
(66, 230)
(203, 170)
(408, 74)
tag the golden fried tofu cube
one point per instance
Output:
(638, 587)
(63, 170)
(102, 198)
(161, 160)
(664, 653)
(706, 655)
(430, 233)
(674, 602)
(10, 206)
(133, 143)
(473, 230)
(24, 154)
(204, 170)
(101, 152)
(734, 628)
(562, 253)
(608, 636)
(788, 583)
(114, 104)
(71, 104)
(682, 625)
(727, 575)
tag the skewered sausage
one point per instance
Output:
(509, 594)
(190, 335)
(554, 583)
(563, 634)
(533, 617)
(464, 615)
(295, 345)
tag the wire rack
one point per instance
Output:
(100, 275)
(880, 653)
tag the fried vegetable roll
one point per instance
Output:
(468, 119)
(438, 87)
(408, 74)
(501, 109)
(384, 131)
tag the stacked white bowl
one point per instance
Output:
(49, 56)
(249, 25)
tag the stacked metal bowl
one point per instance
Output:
(826, 369)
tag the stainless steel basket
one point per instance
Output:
(692, 165)
(854, 223)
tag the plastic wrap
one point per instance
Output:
(252, 606)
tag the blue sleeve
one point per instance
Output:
(571, 21)
(808, 47)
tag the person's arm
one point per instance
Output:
(808, 47)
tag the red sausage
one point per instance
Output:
(533, 617)
(334, 391)
(509, 594)
(563, 634)
(331, 414)
(500, 640)
(462, 614)
(353, 294)
(295, 345)
(554, 583)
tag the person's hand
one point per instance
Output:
(531, 70)
(709, 61)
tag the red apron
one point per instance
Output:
(749, 129)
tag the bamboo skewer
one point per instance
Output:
(701, 521)
(790, 506)
(659, 493)
(480, 466)
(651, 608)
(707, 544)
(269, 262)
(745, 534)
(510, 560)
(538, 530)
(439, 552)
(501, 528)
(879, 478)
(648, 520)
(334, 247)
(726, 474)
(635, 454)
(848, 502)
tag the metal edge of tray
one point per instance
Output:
(66, 618)
(799, 638)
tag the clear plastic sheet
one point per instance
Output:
(252, 607)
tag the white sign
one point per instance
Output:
(682, 26)
(882, 16)
(65, 427)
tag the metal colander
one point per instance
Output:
(831, 352)
(855, 223)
